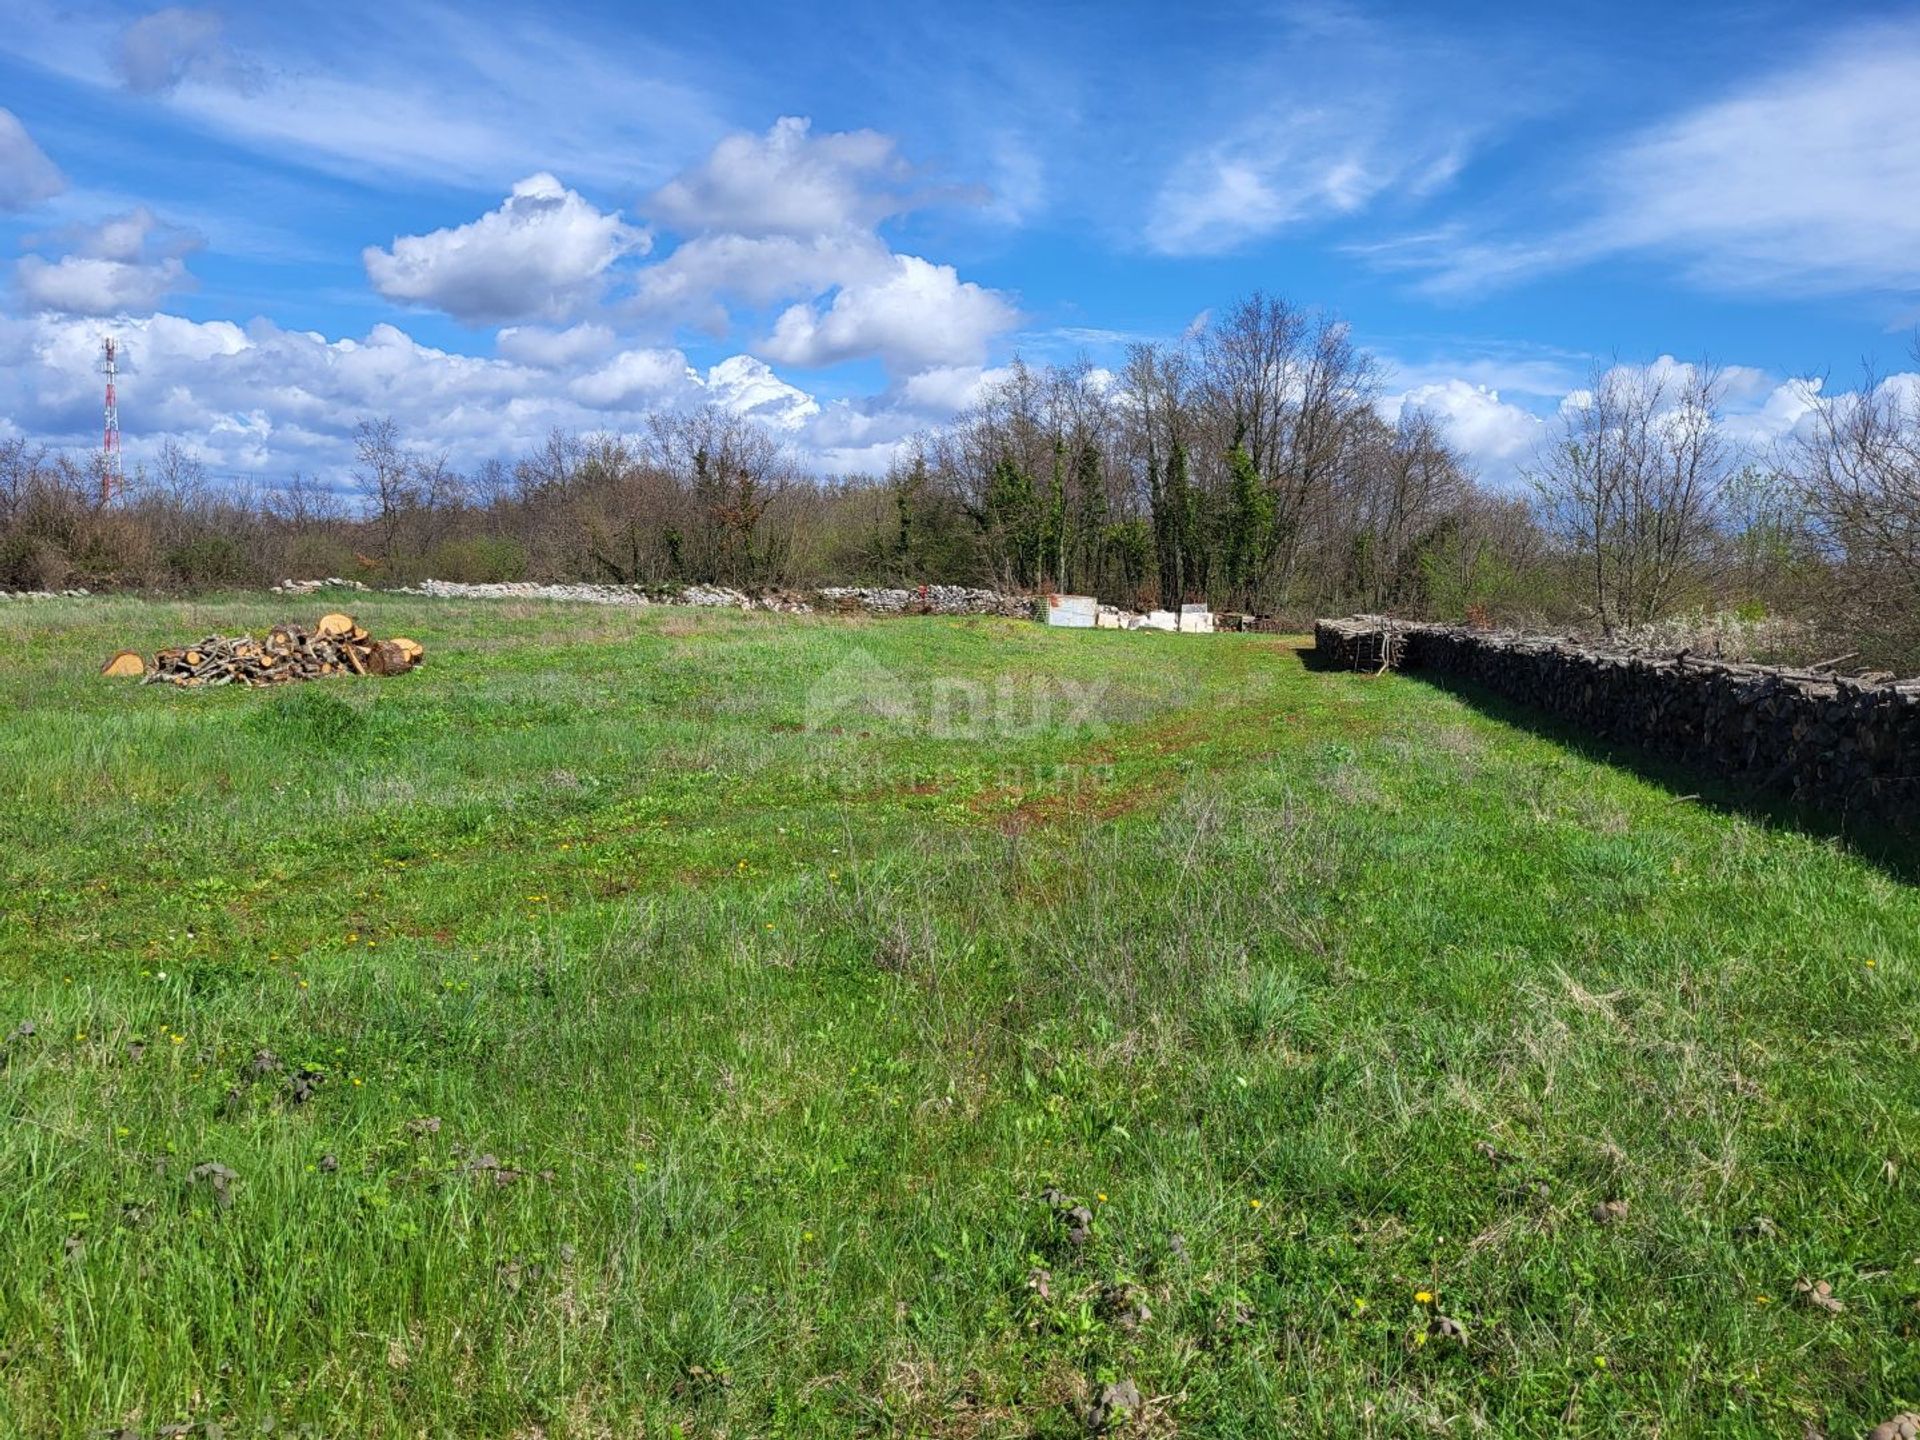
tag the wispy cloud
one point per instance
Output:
(1801, 181)
(27, 176)
(406, 91)
(1355, 110)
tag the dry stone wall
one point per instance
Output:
(871, 600)
(1851, 746)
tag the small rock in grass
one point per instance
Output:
(425, 1125)
(1113, 1406)
(1126, 1307)
(218, 1178)
(303, 1085)
(329, 1164)
(1819, 1294)
(1904, 1426)
(1445, 1327)
(1177, 1245)
(1606, 1212)
(1079, 1225)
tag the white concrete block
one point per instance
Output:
(1075, 612)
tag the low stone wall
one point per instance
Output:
(870, 600)
(1844, 745)
(925, 600)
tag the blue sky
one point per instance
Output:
(488, 220)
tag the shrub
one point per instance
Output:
(208, 561)
(478, 560)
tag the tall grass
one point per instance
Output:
(597, 1048)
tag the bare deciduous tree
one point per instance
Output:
(385, 478)
(1632, 486)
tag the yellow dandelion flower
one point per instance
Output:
(1423, 1297)
(1254, 1203)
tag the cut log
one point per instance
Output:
(413, 648)
(334, 624)
(124, 663)
(387, 658)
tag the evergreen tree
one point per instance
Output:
(1247, 539)
(1011, 517)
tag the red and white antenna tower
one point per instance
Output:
(110, 432)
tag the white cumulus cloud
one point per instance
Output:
(548, 349)
(748, 386)
(788, 181)
(1497, 437)
(542, 255)
(918, 316)
(124, 265)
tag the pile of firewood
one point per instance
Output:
(337, 645)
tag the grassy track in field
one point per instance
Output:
(693, 1009)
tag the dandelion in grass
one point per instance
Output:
(1423, 1297)
(1254, 1203)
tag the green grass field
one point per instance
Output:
(678, 1020)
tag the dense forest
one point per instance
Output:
(1248, 466)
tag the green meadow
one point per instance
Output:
(679, 1023)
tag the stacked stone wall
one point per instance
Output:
(1842, 744)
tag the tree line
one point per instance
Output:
(1248, 466)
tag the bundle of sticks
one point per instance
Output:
(337, 645)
